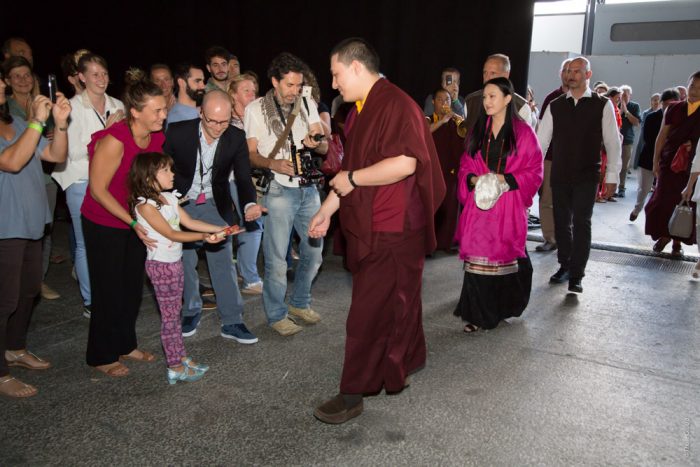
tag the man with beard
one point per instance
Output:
(217, 59)
(190, 85)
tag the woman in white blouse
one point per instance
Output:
(92, 110)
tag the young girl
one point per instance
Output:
(159, 212)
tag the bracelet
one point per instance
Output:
(133, 223)
(36, 126)
(352, 182)
(65, 128)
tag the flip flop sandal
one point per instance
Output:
(15, 395)
(26, 360)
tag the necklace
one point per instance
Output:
(147, 138)
(488, 151)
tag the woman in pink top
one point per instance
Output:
(113, 239)
(497, 269)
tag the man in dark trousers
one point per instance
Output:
(205, 151)
(576, 124)
(388, 191)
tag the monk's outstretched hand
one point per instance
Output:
(319, 224)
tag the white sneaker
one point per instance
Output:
(255, 288)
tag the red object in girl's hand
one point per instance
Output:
(232, 230)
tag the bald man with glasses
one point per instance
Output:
(205, 151)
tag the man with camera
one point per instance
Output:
(205, 151)
(278, 126)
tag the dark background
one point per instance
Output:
(415, 40)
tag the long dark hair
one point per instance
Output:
(482, 130)
(5, 116)
(142, 178)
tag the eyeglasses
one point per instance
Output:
(215, 122)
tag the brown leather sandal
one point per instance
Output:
(141, 356)
(114, 370)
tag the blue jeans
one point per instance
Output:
(220, 261)
(248, 245)
(74, 199)
(287, 208)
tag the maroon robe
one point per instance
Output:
(669, 184)
(385, 340)
(450, 147)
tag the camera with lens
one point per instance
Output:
(307, 167)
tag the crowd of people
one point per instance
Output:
(183, 165)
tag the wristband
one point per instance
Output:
(36, 126)
(352, 182)
(133, 223)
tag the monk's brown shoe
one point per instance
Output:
(335, 412)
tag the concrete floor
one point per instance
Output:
(611, 377)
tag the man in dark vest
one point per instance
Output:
(576, 124)
(495, 66)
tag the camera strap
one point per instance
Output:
(287, 132)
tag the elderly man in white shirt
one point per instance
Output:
(584, 121)
(93, 110)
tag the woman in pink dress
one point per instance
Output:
(497, 269)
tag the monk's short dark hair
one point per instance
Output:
(356, 48)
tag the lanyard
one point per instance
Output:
(103, 122)
(200, 154)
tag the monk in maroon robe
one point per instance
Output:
(387, 191)
(681, 128)
(449, 143)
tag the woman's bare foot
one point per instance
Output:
(115, 370)
(12, 387)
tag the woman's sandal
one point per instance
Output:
(115, 370)
(137, 355)
(469, 328)
(26, 359)
(20, 390)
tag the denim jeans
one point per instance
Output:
(220, 261)
(248, 245)
(287, 208)
(74, 199)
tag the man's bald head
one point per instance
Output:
(216, 113)
(215, 99)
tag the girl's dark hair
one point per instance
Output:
(139, 88)
(142, 178)
(482, 130)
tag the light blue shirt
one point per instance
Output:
(201, 183)
(24, 209)
(181, 112)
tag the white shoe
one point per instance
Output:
(256, 288)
